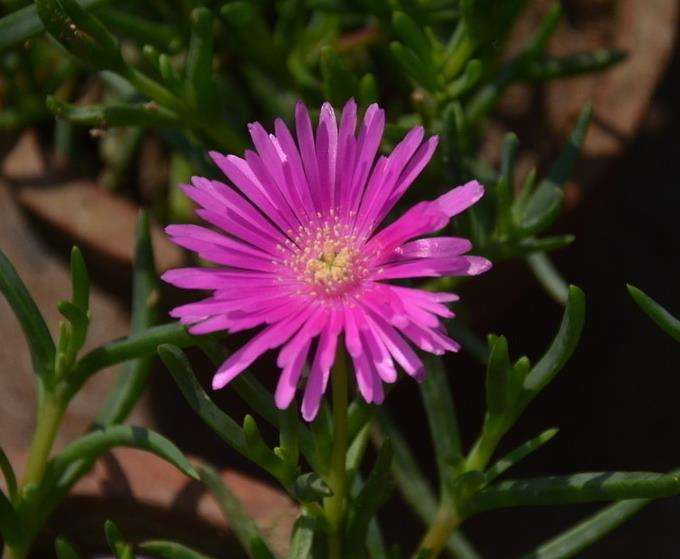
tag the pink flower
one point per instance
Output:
(300, 254)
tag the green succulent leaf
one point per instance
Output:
(96, 443)
(368, 90)
(79, 321)
(302, 542)
(527, 247)
(665, 320)
(82, 34)
(518, 454)
(561, 349)
(243, 526)
(310, 487)
(8, 474)
(551, 68)
(470, 78)
(339, 83)
(114, 114)
(80, 281)
(548, 276)
(32, 323)
(170, 550)
(497, 375)
(576, 488)
(133, 347)
(139, 29)
(180, 368)
(506, 185)
(412, 36)
(289, 436)
(438, 403)
(10, 526)
(356, 451)
(372, 496)
(238, 14)
(467, 485)
(17, 27)
(65, 550)
(545, 203)
(120, 547)
(584, 534)
(258, 398)
(414, 66)
(199, 71)
(259, 452)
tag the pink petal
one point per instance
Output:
(413, 169)
(290, 376)
(434, 247)
(368, 143)
(426, 217)
(435, 267)
(294, 169)
(400, 350)
(305, 137)
(320, 371)
(271, 337)
(206, 278)
(326, 152)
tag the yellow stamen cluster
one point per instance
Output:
(332, 266)
(326, 257)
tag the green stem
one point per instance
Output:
(154, 90)
(51, 408)
(445, 523)
(484, 447)
(50, 414)
(13, 553)
(336, 505)
(448, 519)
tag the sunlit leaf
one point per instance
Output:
(96, 443)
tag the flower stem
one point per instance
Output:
(335, 506)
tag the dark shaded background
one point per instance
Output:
(615, 402)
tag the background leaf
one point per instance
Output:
(576, 488)
(97, 443)
(243, 526)
(32, 323)
(170, 550)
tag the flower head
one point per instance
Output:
(299, 253)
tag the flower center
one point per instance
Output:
(333, 266)
(326, 258)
